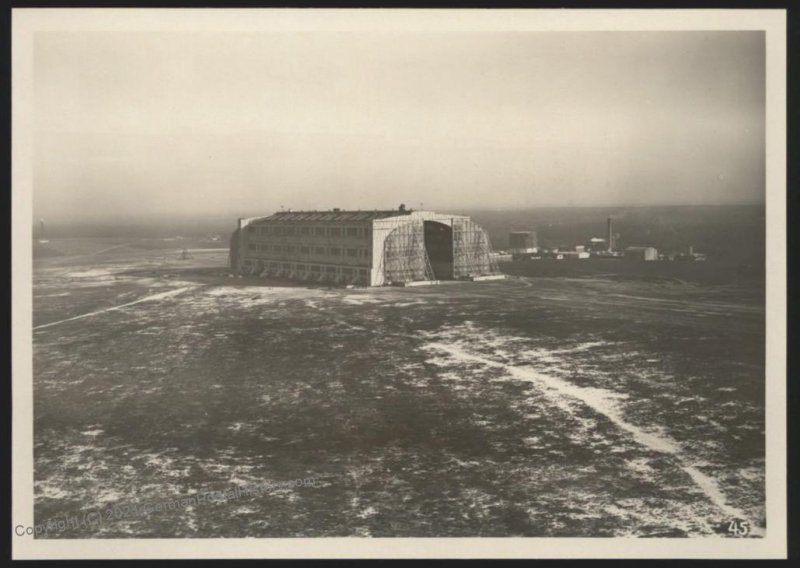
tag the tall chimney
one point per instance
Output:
(610, 239)
(41, 229)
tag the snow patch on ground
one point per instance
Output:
(448, 352)
(93, 273)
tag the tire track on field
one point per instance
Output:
(154, 297)
(600, 401)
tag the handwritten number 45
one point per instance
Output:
(739, 528)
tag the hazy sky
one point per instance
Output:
(242, 123)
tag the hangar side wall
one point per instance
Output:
(319, 251)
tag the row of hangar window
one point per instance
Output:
(308, 251)
(307, 268)
(307, 230)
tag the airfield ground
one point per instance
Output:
(596, 405)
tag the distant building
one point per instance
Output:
(571, 255)
(596, 244)
(42, 238)
(369, 248)
(690, 255)
(523, 244)
(641, 253)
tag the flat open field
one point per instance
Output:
(534, 406)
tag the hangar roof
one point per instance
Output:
(334, 216)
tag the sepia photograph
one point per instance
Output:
(324, 279)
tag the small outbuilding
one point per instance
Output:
(641, 253)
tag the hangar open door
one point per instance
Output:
(439, 246)
(419, 251)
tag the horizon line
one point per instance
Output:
(98, 218)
